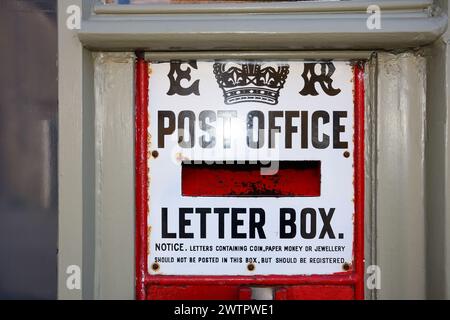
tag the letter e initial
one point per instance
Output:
(324, 79)
(176, 74)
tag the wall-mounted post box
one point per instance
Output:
(249, 175)
(254, 149)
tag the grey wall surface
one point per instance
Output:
(114, 159)
(438, 168)
(400, 175)
(28, 140)
(76, 158)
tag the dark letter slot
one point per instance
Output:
(293, 179)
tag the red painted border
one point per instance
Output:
(353, 277)
(359, 158)
(141, 175)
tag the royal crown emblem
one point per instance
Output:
(250, 81)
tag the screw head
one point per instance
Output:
(155, 154)
(250, 267)
(346, 154)
(155, 266)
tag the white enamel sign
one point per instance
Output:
(203, 113)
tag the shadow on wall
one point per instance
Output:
(28, 149)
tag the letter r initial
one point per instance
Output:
(324, 79)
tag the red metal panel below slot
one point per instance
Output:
(315, 293)
(208, 292)
(293, 179)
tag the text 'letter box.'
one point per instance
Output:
(249, 174)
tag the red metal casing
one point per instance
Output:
(343, 285)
